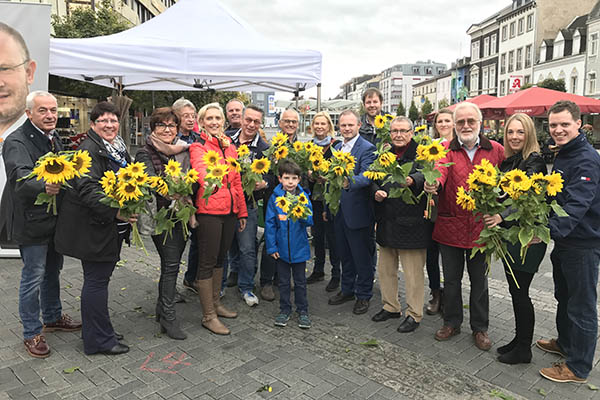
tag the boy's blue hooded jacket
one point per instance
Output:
(287, 238)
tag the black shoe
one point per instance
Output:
(340, 298)
(384, 315)
(190, 286)
(172, 329)
(119, 336)
(507, 347)
(178, 298)
(118, 348)
(361, 306)
(518, 355)
(315, 277)
(333, 284)
(408, 325)
(232, 279)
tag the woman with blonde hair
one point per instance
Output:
(322, 230)
(443, 125)
(522, 152)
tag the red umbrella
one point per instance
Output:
(479, 100)
(535, 102)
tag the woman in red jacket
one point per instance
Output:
(216, 216)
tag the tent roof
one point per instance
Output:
(535, 101)
(194, 44)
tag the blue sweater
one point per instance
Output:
(283, 236)
(579, 164)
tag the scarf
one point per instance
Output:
(160, 153)
(178, 145)
(323, 142)
(117, 150)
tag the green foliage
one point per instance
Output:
(83, 22)
(413, 111)
(401, 110)
(554, 84)
(443, 103)
(426, 108)
(526, 86)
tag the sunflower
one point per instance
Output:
(380, 121)
(283, 203)
(487, 174)
(350, 167)
(279, 139)
(140, 179)
(191, 176)
(281, 152)
(173, 168)
(260, 166)
(325, 164)
(298, 211)
(159, 185)
(217, 171)
(311, 147)
(338, 154)
(243, 151)
(374, 175)
(211, 158)
(555, 183)
(387, 159)
(315, 155)
(432, 152)
(55, 169)
(516, 180)
(317, 164)
(538, 182)
(473, 180)
(233, 164)
(136, 168)
(464, 200)
(389, 117)
(339, 171)
(420, 128)
(298, 146)
(129, 191)
(81, 162)
(302, 199)
(108, 181)
(125, 176)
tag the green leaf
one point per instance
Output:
(70, 370)
(558, 210)
(592, 387)
(42, 198)
(370, 343)
(525, 236)
(542, 392)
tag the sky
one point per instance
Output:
(366, 37)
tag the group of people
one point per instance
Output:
(224, 228)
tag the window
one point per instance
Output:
(519, 59)
(526, 79)
(512, 30)
(511, 60)
(592, 83)
(474, 81)
(529, 22)
(485, 76)
(521, 25)
(475, 50)
(573, 84)
(528, 56)
(503, 64)
(504, 29)
(493, 44)
(428, 71)
(492, 77)
(594, 44)
(486, 46)
(502, 88)
(416, 70)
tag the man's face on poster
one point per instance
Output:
(16, 74)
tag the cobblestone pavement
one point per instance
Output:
(326, 362)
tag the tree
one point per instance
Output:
(413, 112)
(401, 111)
(554, 84)
(526, 86)
(443, 103)
(84, 22)
(426, 108)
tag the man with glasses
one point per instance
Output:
(372, 100)
(32, 227)
(233, 111)
(456, 230)
(289, 124)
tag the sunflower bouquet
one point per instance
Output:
(279, 149)
(58, 168)
(252, 170)
(387, 169)
(382, 132)
(216, 169)
(429, 153)
(296, 207)
(178, 185)
(527, 199)
(129, 190)
(341, 167)
(482, 198)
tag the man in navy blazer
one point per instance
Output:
(355, 220)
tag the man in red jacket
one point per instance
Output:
(456, 229)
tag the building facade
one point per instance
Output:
(592, 69)
(134, 11)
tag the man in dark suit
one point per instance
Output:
(32, 227)
(355, 219)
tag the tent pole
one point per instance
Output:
(318, 97)
(120, 86)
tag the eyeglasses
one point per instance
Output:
(188, 115)
(250, 121)
(471, 121)
(107, 121)
(400, 131)
(290, 121)
(161, 126)
(8, 70)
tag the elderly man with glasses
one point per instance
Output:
(456, 230)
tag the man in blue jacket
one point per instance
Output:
(576, 253)
(355, 220)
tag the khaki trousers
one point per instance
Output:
(413, 264)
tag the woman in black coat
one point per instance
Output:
(522, 152)
(402, 233)
(93, 232)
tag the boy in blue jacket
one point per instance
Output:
(287, 242)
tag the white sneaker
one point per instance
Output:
(250, 299)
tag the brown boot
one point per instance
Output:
(433, 307)
(209, 316)
(216, 287)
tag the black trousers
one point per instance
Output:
(522, 306)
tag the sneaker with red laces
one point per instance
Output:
(37, 346)
(64, 324)
(551, 346)
(559, 372)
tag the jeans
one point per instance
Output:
(40, 287)
(575, 273)
(453, 264)
(243, 252)
(322, 230)
(192, 269)
(433, 265)
(297, 270)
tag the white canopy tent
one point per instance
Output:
(193, 45)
